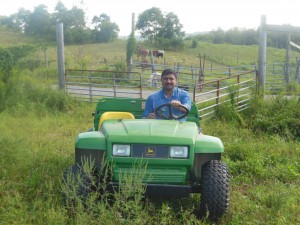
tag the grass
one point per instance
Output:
(265, 175)
(37, 146)
(39, 126)
(222, 55)
(10, 38)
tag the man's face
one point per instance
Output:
(168, 82)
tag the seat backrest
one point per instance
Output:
(193, 115)
(115, 115)
(133, 106)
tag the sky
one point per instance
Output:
(194, 15)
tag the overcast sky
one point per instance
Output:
(195, 15)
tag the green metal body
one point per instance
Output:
(143, 134)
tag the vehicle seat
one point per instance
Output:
(115, 116)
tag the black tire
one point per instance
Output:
(214, 189)
(76, 185)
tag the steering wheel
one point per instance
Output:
(159, 111)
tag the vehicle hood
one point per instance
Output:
(142, 129)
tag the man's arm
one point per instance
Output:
(185, 99)
(149, 111)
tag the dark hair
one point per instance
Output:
(169, 71)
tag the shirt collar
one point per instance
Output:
(175, 91)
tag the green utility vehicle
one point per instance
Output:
(180, 159)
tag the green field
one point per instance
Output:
(39, 126)
(212, 56)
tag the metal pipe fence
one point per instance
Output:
(189, 76)
(91, 85)
(208, 88)
(237, 90)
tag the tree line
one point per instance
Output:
(42, 25)
(153, 25)
(237, 36)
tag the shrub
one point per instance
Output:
(276, 116)
(229, 113)
(2, 96)
(194, 43)
(25, 93)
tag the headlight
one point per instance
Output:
(179, 152)
(121, 150)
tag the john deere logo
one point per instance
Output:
(150, 151)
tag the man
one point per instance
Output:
(168, 94)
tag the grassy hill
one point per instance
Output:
(39, 126)
(9, 38)
(221, 55)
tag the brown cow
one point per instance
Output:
(143, 52)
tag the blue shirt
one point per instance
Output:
(158, 98)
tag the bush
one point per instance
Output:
(120, 67)
(25, 93)
(276, 116)
(194, 43)
(2, 96)
(229, 113)
(173, 43)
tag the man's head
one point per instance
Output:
(168, 80)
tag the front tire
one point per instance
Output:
(214, 189)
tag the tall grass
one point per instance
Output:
(278, 116)
(37, 141)
(263, 154)
(35, 148)
(39, 126)
(25, 93)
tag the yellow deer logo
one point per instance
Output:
(150, 151)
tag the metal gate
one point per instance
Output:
(91, 85)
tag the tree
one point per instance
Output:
(149, 23)
(104, 30)
(164, 30)
(74, 23)
(17, 21)
(42, 25)
(77, 35)
(39, 24)
(233, 36)
(61, 14)
(217, 36)
(74, 17)
(130, 48)
(250, 37)
(97, 21)
(171, 27)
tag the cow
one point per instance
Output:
(158, 53)
(143, 52)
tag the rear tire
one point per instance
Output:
(214, 189)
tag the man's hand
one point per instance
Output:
(151, 116)
(176, 104)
